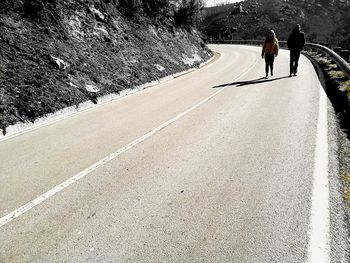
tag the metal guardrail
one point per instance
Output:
(244, 42)
(341, 63)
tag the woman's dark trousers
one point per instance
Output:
(269, 59)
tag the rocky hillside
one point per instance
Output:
(322, 20)
(59, 53)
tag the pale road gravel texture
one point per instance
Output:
(229, 182)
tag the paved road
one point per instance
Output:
(230, 180)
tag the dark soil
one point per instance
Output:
(53, 51)
(341, 104)
(338, 94)
(345, 170)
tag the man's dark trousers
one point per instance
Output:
(294, 60)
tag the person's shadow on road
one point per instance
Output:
(248, 82)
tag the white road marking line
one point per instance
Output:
(40, 199)
(319, 244)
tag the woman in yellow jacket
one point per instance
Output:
(270, 51)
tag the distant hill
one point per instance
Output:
(322, 20)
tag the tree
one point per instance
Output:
(271, 8)
(188, 12)
(130, 7)
(155, 6)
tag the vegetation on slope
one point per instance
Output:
(59, 53)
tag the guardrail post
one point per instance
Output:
(345, 54)
(337, 50)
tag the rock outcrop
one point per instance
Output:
(59, 53)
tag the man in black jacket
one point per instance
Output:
(296, 42)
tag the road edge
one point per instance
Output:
(65, 113)
(72, 180)
(339, 219)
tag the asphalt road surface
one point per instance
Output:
(218, 165)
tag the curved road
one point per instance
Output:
(218, 165)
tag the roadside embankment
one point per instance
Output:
(337, 85)
(58, 54)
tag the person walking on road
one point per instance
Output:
(296, 43)
(270, 51)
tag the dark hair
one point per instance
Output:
(269, 37)
(297, 28)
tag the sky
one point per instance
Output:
(213, 2)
